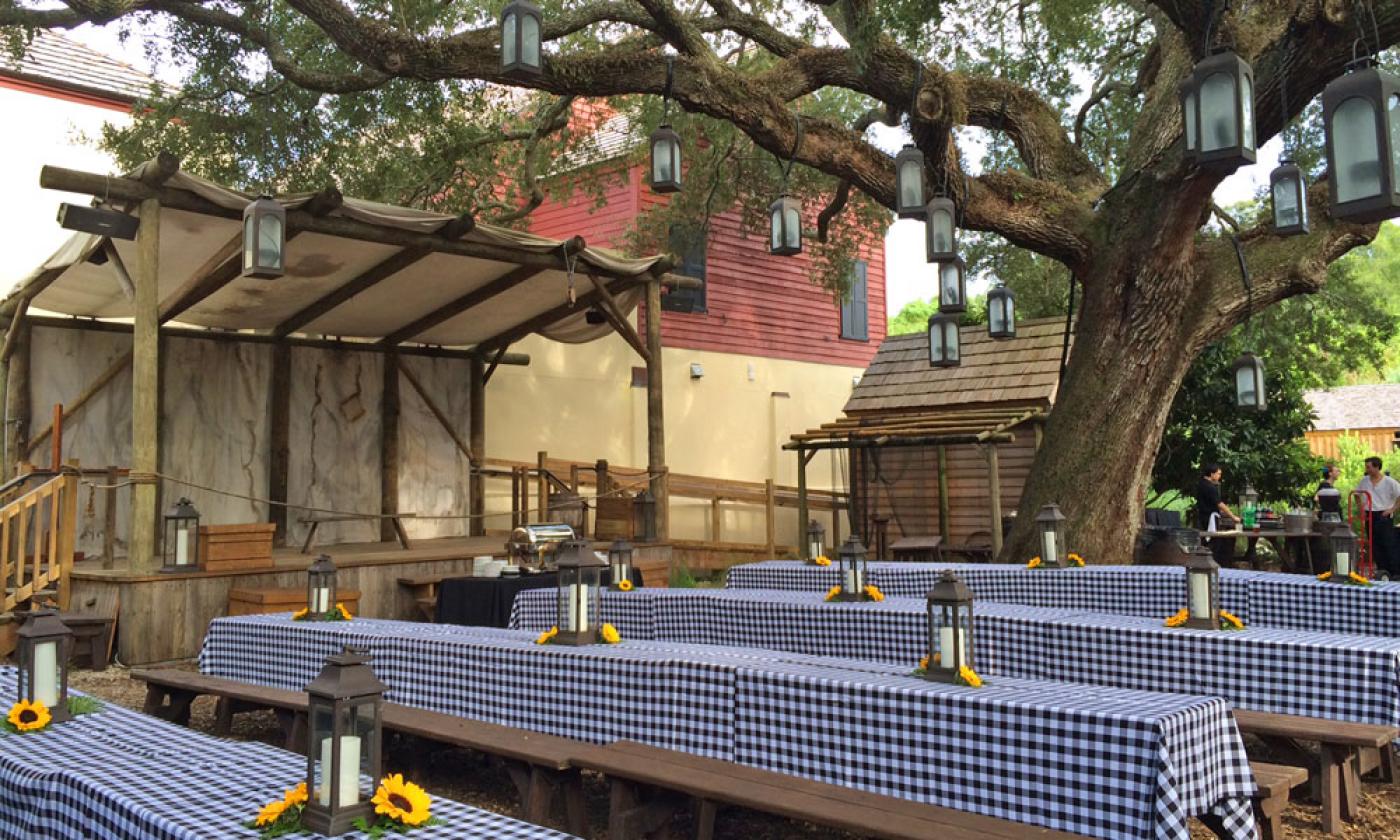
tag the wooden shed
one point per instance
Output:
(943, 451)
(1369, 413)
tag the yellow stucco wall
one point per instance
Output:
(577, 402)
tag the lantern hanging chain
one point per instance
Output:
(1069, 322)
(796, 147)
(1361, 10)
(666, 94)
(1245, 280)
(569, 263)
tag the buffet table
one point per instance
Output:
(487, 601)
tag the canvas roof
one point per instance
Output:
(1356, 407)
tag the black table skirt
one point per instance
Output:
(486, 602)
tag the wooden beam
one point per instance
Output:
(770, 519)
(495, 362)
(477, 482)
(802, 512)
(279, 438)
(433, 407)
(544, 319)
(994, 492)
(12, 334)
(109, 373)
(114, 261)
(453, 308)
(656, 412)
(389, 447)
(925, 440)
(943, 505)
(618, 319)
(17, 399)
(145, 390)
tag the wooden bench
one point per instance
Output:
(1346, 751)
(710, 783)
(1275, 782)
(539, 765)
(423, 591)
(395, 519)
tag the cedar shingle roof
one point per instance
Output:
(53, 59)
(1356, 407)
(1023, 370)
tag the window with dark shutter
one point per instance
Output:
(687, 242)
(855, 312)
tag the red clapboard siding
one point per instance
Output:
(756, 304)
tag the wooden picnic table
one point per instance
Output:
(918, 549)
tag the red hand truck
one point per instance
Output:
(1358, 516)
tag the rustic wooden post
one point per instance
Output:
(716, 519)
(145, 391)
(514, 497)
(542, 484)
(389, 447)
(477, 439)
(656, 414)
(994, 490)
(17, 399)
(66, 525)
(279, 438)
(600, 473)
(943, 507)
(109, 520)
(56, 438)
(803, 456)
(770, 516)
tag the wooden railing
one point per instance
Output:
(37, 534)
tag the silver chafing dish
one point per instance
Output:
(535, 544)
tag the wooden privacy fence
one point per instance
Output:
(37, 533)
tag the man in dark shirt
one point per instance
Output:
(1208, 502)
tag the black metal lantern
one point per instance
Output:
(45, 643)
(940, 232)
(521, 52)
(580, 606)
(1361, 117)
(952, 286)
(851, 556)
(343, 709)
(665, 160)
(1202, 591)
(620, 561)
(644, 516)
(1222, 87)
(1342, 542)
(1054, 546)
(1187, 93)
(1249, 382)
(943, 349)
(909, 183)
(264, 238)
(785, 227)
(949, 628)
(816, 540)
(1290, 199)
(181, 548)
(320, 587)
(1001, 312)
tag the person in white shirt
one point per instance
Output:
(1382, 497)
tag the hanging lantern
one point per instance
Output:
(1223, 91)
(816, 540)
(320, 587)
(644, 516)
(1001, 312)
(851, 556)
(520, 39)
(1361, 117)
(264, 238)
(343, 712)
(1202, 591)
(1290, 199)
(45, 644)
(940, 234)
(181, 548)
(620, 562)
(1343, 544)
(1249, 382)
(665, 160)
(952, 286)
(909, 183)
(1187, 92)
(785, 227)
(949, 628)
(943, 350)
(580, 579)
(1054, 547)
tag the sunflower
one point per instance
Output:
(1358, 579)
(300, 614)
(402, 801)
(1178, 619)
(873, 593)
(1075, 559)
(832, 593)
(271, 812)
(923, 664)
(29, 715)
(609, 634)
(1231, 620)
(295, 796)
(822, 560)
(1324, 576)
(624, 585)
(344, 613)
(1034, 564)
(543, 638)
(970, 677)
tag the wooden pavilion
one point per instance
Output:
(943, 451)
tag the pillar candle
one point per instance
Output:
(578, 607)
(945, 649)
(1343, 564)
(182, 547)
(1050, 556)
(321, 600)
(1200, 596)
(349, 771)
(46, 673)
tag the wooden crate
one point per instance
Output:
(613, 520)
(229, 548)
(256, 601)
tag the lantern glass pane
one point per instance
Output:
(1246, 390)
(46, 676)
(935, 342)
(1358, 164)
(1188, 107)
(1218, 114)
(248, 241)
(1247, 110)
(941, 222)
(1341, 561)
(911, 184)
(661, 169)
(996, 317)
(1010, 306)
(950, 340)
(775, 227)
(949, 289)
(1393, 122)
(792, 228)
(508, 39)
(1199, 596)
(270, 241)
(529, 41)
(1286, 203)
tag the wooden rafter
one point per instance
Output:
(453, 308)
(118, 267)
(618, 319)
(544, 319)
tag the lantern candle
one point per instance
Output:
(1050, 554)
(46, 673)
(182, 547)
(322, 601)
(1342, 565)
(349, 777)
(946, 658)
(1200, 596)
(578, 607)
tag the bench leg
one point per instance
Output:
(575, 805)
(622, 800)
(1336, 765)
(705, 811)
(223, 717)
(541, 794)
(169, 704)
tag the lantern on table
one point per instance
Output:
(343, 707)
(851, 556)
(1050, 524)
(320, 587)
(816, 540)
(1202, 591)
(620, 561)
(181, 547)
(580, 608)
(644, 516)
(1343, 544)
(45, 644)
(949, 628)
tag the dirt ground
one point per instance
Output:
(467, 777)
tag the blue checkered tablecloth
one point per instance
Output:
(121, 775)
(632, 613)
(1306, 603)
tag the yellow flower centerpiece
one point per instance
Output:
(1179, 619)
(609, 634)
(547, 636)
(873, 592)
(338, 613)
(1035, 563)
(344, 613)
(833, 593)
(1228, 621)
(624, 586)
(969, 677)
(402, 802)
(821, 560)
(399, 805)
(1075, 559)
(28, 716)
(301, 614)
(1352, 579)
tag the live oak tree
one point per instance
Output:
(402, 95)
